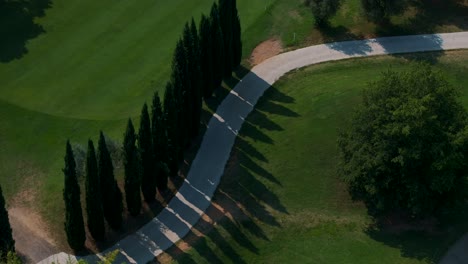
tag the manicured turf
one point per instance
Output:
(283, 176)
(96, 62)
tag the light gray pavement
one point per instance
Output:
(194, 197)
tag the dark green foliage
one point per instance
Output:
(407, 145)
(112, 204)
(236, 37)
(132, 171)
(192, 76)
(226, 24)
(195, 80)
(217, 46)
(380, 10)
(323, 10)
(160, 142)
(206, 50)
(145, 146)
(74, 225)
(93, 195)
(181, 81)
(170, 123)
(6, 237)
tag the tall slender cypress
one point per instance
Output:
(206, 57)
(160, 141)
(145, 147)
(191, 44)
(7, 244)
(93, 195)
(74, 225)
(225, 18)
(112, 204)
(170, 123)
(217, 46)
(132, 171)
(236, 36)
(181, 82)
(190, 76)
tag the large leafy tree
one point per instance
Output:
(145, 146)
(93, 195)
(206, 56)
(160, 142)
(7, 244)
(407, 145)
(74, 225)
(132, 171)
(111, 195)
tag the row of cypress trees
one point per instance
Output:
(103, 196)
(202, 58)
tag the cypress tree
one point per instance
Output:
(7, 244)
(225, 18)
(217, 46)
(132, 171)
(195, 79)
(236, 37)
(170, 123)
(191, 85)
(160, 141)
(145, 146)
(93, 195)
(206, 57)
(180, 80)
(74, 225)
(112, 204)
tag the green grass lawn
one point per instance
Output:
(281, 183)
(89, 65)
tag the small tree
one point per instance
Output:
(132, 171)
(6, 236)
(236, 37)
(111, 195)
(74, 225)
(380, 10)
(93, 195)
(145, 147)
(206, 56)
(407, 145)
(323, 10)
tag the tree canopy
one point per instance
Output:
(406, 147)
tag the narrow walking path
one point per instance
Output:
(194, 197)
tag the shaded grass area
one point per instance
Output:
(281, 200)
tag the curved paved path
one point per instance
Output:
(194, 197)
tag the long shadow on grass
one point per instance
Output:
(421, 239)
(243, 202)
(17, 26)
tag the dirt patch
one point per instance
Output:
(265, 50)
(32, 236)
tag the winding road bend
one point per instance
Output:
(194, 196)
